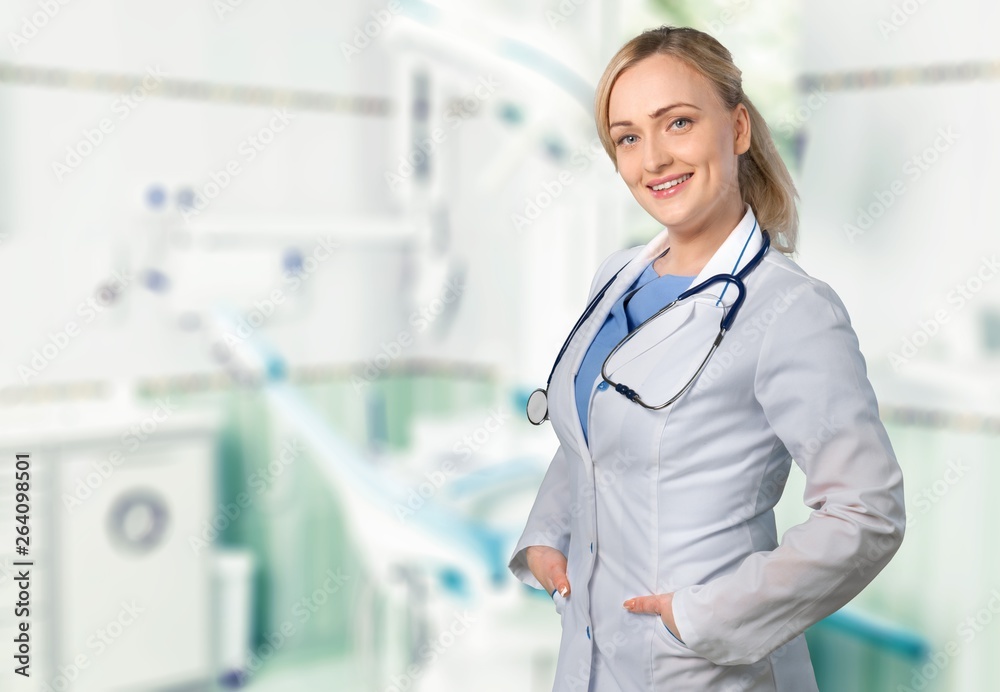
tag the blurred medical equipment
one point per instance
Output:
(233, 597)
(118, 491)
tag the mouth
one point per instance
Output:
(667, 184)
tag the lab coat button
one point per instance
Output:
(588, 631)
(591, 547)
(602, 385)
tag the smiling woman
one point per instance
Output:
(654, 526)
(671, 104)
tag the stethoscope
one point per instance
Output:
(537, 407)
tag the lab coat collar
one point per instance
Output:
(734, 253)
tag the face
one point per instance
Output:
(677, 145)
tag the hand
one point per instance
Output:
(549, 567)
(661, 604)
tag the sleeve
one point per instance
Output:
(812, 384)
(549, 519)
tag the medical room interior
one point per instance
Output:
(278, 278)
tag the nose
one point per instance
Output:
(656, 154)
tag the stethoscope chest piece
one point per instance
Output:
(538, 406)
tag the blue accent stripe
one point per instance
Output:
(737, 261)
(672, 635)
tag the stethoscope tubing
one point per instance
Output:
(725, 325)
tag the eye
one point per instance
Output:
(686, 121)
(623, 138)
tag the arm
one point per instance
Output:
(812, 384)
(549, 519)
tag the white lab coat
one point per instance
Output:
(680, 500)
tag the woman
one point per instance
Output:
(653, 528)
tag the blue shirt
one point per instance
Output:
(656, 291)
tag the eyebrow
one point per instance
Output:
(655, 114)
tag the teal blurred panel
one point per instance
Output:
(852, 651)
(431, 394)
(292, 524)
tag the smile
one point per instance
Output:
(672, 183)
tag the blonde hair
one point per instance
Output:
(764, 181)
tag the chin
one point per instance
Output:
(668, 218)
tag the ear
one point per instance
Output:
(741, 130)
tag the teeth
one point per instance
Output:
(675, 181)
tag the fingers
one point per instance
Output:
(549, 567)
(643, 604)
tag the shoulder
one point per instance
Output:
(788, 283)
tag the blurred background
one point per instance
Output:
(278, 276)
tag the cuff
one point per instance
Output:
(691, 637)
(519, 566)
(734, 648)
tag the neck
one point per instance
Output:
(691, 251)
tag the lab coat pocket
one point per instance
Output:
(666, 635)
(560, 602)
